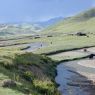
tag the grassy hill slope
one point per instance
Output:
(84, 22)
(33, 74)
(63, 35)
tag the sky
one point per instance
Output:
(40, 10)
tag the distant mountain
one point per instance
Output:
(49, 22)
(19, 29)
(23, 29)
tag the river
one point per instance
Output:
(75, 79)
(34, 46)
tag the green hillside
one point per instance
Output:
(30, 74)
(63, 35)
(83, 22)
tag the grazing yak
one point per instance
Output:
(91, 56)
(81, 34)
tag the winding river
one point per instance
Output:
(75, 78)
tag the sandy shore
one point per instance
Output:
(87, 63)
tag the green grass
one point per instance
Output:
(60, 57)
(65, 43)
(37, 74)
(8, 91)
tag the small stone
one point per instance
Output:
(8, 83)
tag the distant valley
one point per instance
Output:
(25, 29)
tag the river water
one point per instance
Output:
(35, 46)
(32, 46)
(72, 82)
